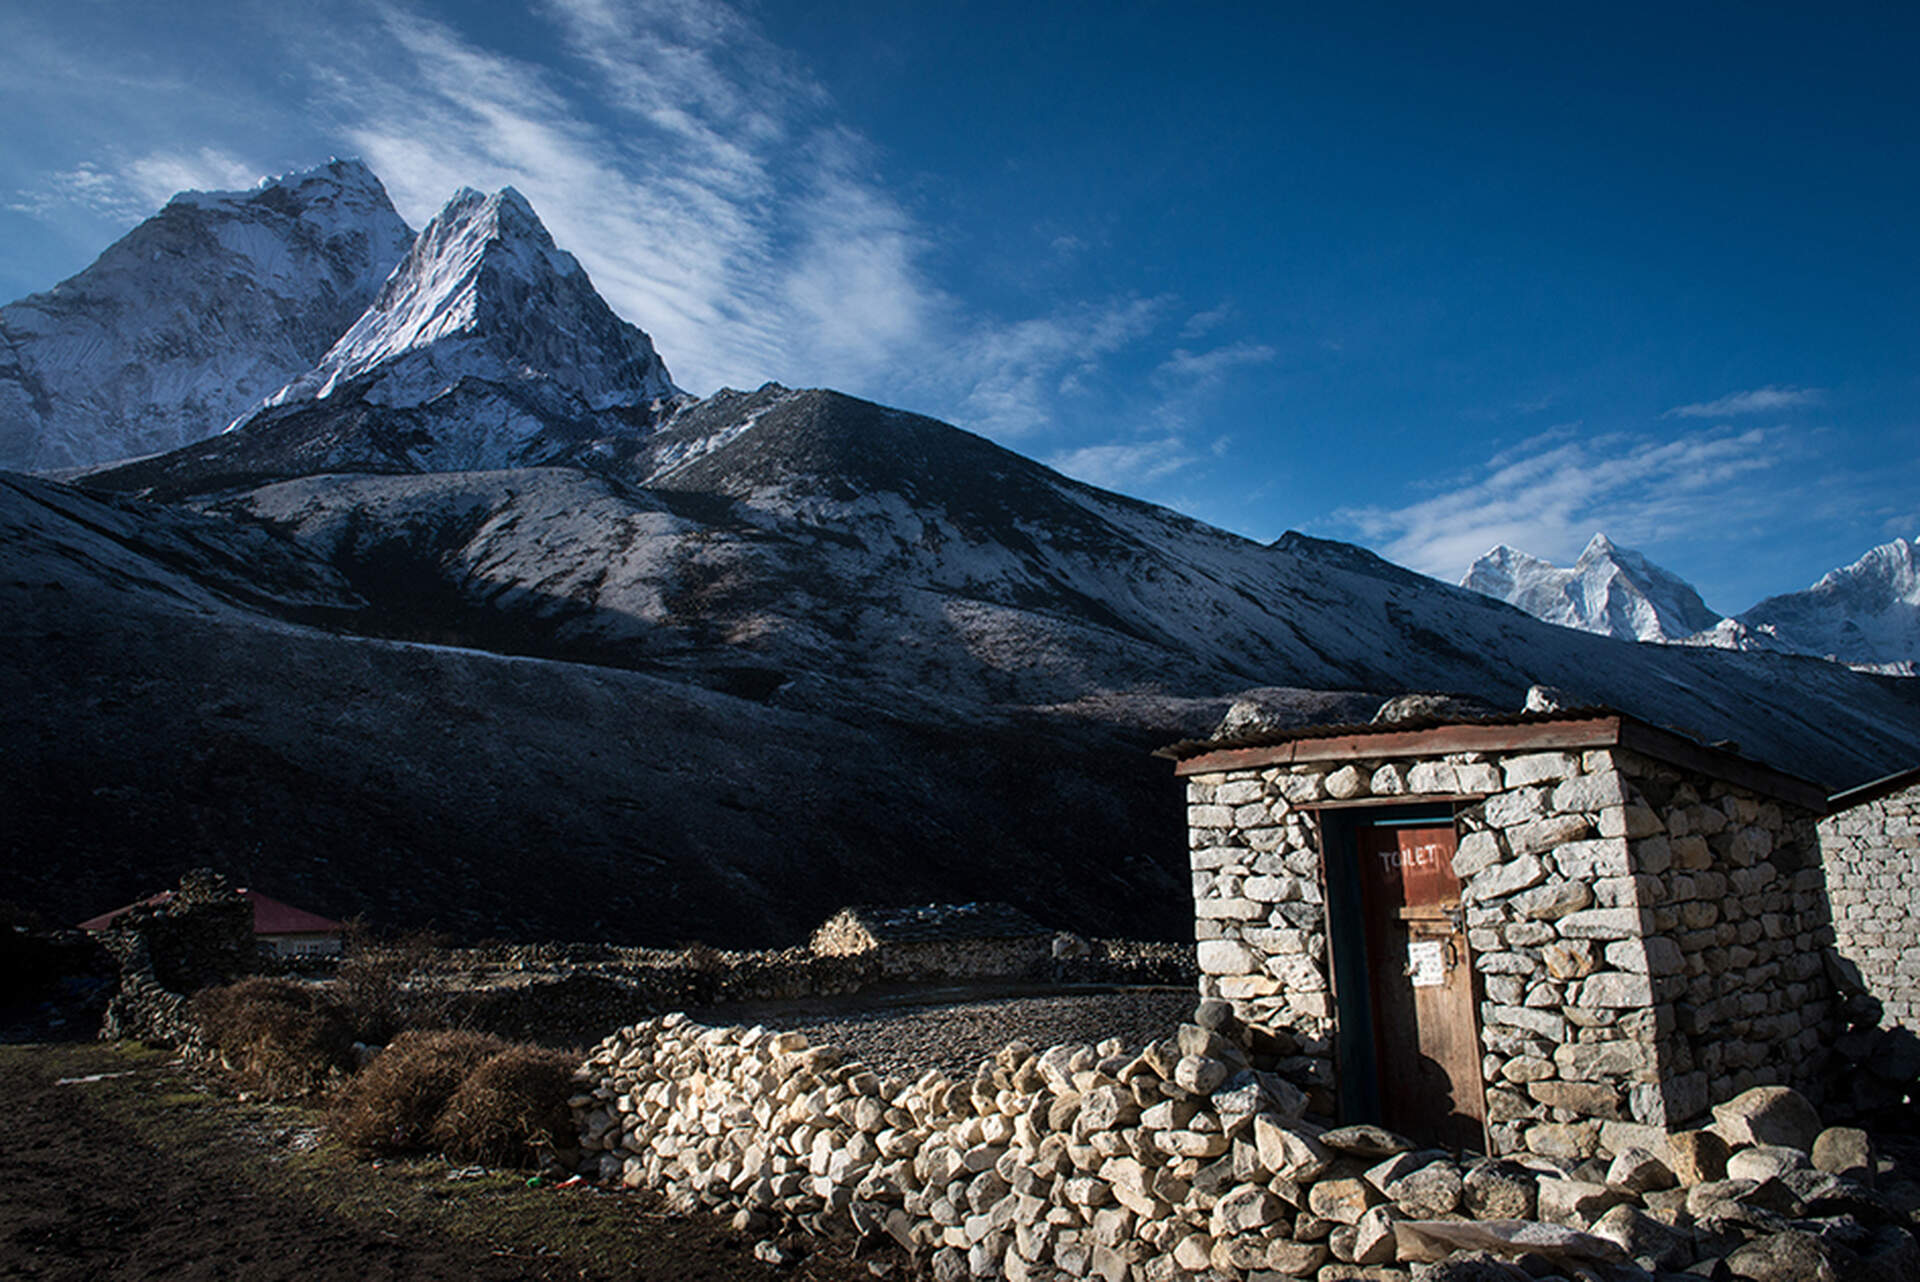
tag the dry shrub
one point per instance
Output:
(510, 1109)
(275, 1035)
(378, 982)
(391, 1106)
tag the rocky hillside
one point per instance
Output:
(482, 622)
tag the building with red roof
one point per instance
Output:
(280, 929)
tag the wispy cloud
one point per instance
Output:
(157, 176)
(1016, 371)
(1211, 364)
(707, 183)
(1548, 496)
(1758, 400)
(1120, 466)
(88, 185)
(133, 188)
(1203, 323)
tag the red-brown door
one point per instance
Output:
(1426, 1041)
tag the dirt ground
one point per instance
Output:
(143, 1173)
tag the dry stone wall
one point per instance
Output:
(1872, 858)
(1645, 942)
(1738, 935)
(564, 995)
(1183, 1160)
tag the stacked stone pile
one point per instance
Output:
(201, 934)
(1186, 1159)
(955, 1036)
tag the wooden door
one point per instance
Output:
(1426, 1040)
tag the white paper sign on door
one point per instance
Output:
(1427, 963)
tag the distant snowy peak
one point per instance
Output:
(195, 314)
(1611, 590)
(486, 294)
(1866, 614)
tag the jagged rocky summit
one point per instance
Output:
(488, 347)
(1610, 590)
(192, 317)
(1866, 614)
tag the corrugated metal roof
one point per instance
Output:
(1568, 727)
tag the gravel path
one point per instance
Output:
(906, 1041)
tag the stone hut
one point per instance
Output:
(935, 940)
(1870, 844)
(1567, 933)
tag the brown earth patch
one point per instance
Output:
(145, 1173)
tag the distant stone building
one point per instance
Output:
(961, 940)
(279, 930)
(1870, 843)
(1564, 932)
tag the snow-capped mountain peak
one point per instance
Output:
(192, 316)
(487, 347)
(1611, 590)
(1866, 613)
(485, 293)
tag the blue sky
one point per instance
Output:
(1427, 282)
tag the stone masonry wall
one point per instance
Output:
(1872, 854)
(1609, 957)
(1734, 910)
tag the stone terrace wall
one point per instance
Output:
(1872, 858)
(1606, 938)
(1182, 1161)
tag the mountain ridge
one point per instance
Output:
(1610, 590)
(1865, 614)
(137, 353)
(496, 649)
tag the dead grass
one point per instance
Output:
(511, 1109)
(373, 982)
(242, 1163)
(391, 1106)
(276, 1035)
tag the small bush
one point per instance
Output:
(276, 1036)
(391, 1106)
(510, 1108)
(378, 982)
